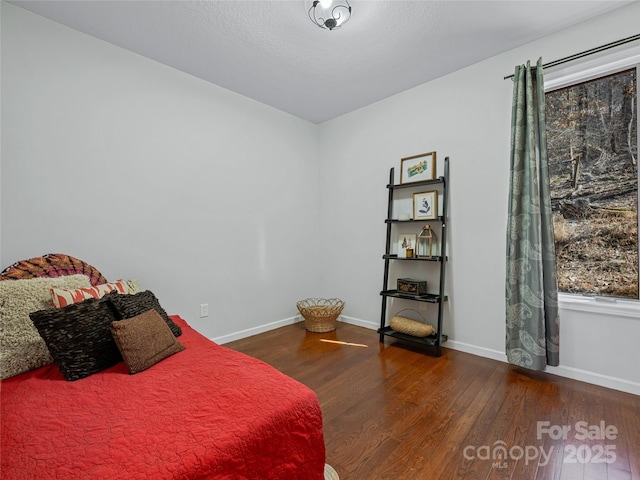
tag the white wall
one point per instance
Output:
(466, 116)
(204, 195)
(207, 196)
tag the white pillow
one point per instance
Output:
(21, 346)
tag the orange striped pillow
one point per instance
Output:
(63, 297)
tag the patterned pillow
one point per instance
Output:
(128, 306)
(79, 337)
(63, 297)
(21, 346)
(144, 340)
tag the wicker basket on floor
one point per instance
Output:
(320, 314)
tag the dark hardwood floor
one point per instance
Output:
(394, 412)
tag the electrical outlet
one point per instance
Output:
(204, 310)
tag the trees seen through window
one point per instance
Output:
(592, 142)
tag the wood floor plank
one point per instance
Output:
(393, 411)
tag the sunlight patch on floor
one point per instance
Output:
(343, 343)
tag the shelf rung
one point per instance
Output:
(429, 297)
(431, 340)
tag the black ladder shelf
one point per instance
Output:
(438, 298)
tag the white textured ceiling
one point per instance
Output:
(270, 51)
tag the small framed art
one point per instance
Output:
(425, 205)
(406, 245)
(418, 168)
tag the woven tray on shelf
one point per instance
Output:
(320, 314)
(411, 327)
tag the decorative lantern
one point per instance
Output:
(426, 242)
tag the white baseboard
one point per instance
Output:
(476, 350)
(562, 371)
(358, 322)
(255, 330)
(596, 379)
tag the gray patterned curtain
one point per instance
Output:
(531, 283)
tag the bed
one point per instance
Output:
(203, 411)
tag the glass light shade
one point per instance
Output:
(330, 14)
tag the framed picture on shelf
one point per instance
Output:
(425, 205)
(418, 168)
(406, 245)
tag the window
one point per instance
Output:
(592, 142)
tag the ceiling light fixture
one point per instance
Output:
(330, 14)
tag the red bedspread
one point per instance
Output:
(206, 412)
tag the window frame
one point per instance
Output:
(582, 70)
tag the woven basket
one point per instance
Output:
(411, 327)
(320, 314)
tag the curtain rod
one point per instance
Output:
(587, 52)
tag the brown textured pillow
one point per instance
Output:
(144, 340)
